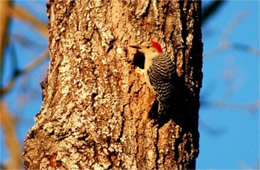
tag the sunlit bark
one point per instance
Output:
(96, 106)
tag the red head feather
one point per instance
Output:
(156, 46)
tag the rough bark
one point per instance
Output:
(96, 106)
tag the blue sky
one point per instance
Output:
(229, 132)
(231, 76)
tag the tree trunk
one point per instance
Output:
(96, 110)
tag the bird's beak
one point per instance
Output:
(135, 46)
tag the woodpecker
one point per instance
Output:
(158, 73)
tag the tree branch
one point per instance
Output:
(211, 9)
(24, 15)
(8, 124)
(31, 66)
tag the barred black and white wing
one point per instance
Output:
(161, 78)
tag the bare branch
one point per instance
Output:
(211, 9)
(250, 107)
(210, 129)
(31, 66)
(237, 46)
(225, 44)
(8, 124)
(237, 20)
(26, 42)
(4, 18)
(24, 15)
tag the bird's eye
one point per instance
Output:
(148, 47)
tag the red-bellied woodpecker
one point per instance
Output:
(158, 73)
